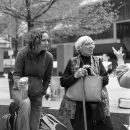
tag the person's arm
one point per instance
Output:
(67, 78)
(119, 55)
(123, 75)
(103, 73)
(19, 66)
(47, 75)
(124, 80)
(122, 70)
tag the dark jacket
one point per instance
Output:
(68, 107)
(30, 65)
(68, 79)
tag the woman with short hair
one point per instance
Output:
(85, 64)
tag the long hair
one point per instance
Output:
(33, 38)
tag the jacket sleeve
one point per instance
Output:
(19, 66)
(123, 75)
(67, 78)
(103, 73)
(47, 75)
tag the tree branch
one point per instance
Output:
(28, 8)
(11, 12)
(42, 10)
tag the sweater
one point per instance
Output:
(32, 65)
(68, 107)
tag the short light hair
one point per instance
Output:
(82, 40)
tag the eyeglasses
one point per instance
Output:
(88, 44)
(44, 40)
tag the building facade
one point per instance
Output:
(119, 33)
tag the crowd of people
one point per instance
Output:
(35, 62)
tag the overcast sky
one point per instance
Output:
(88, 1)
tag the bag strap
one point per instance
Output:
(15, 125)
(44, 126)
(8, 126)
(49, 115)
(49, 122)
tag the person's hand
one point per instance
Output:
(91, 69)
(22, 82)
(119, 55)
(81, 72)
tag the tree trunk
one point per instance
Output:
(30, 25)
(16, 38)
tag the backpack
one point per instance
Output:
(6, 122)
(9, 123)
(49, 122)
(10, 120)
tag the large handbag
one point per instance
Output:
(93, 89)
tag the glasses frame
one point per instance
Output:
(44, 40)
(88, 44)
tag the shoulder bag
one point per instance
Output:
(93, 89)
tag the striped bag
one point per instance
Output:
(49, 122)
(9, 123)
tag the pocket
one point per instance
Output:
(35, 86)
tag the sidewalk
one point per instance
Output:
(114, 90)
(4, 91)
(5, 96)
(119, 116)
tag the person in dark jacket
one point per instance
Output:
(82, 65)
(35, 62)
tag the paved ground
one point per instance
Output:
(114, 90)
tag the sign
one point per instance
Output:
(8, 62)
(10, 52)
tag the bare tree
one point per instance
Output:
(26, 10)
(88, 19)
(76, 19)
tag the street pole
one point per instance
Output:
(10, 46)
(10, 51)
(16, 36)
